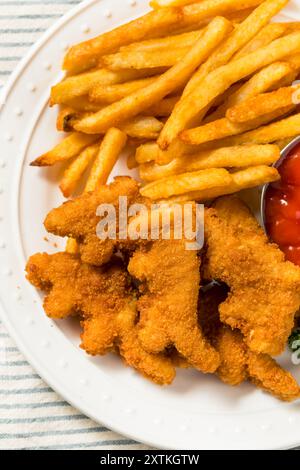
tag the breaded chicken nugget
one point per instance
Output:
(104, 300)
(78, 219)
(264, 288)
(238, 362)
(170, 280)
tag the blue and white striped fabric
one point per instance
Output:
(32, 416)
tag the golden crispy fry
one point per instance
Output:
(151, 152)
(219, 80)
(113, 143)
(107, 94)
(169, 3)
(83, 104)
(177, 76)
(283, 129)
(86, 55)
(261, 82)
(68, 148)
(170, 278)
(80, 85)
(240, 36)
(74, 172)
(227, 157)
(147, 152)
(63, 118)
(244, 179)
(224, 128)
(268, 34)
(144, 59)
(194, 181)
(178, 40)
(263, 104)
(294, 61)
(131, 161)
(142, 127)
(283, 142)
(164, 107)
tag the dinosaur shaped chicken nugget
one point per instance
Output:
(105, 302)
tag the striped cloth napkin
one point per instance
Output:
(32, 416)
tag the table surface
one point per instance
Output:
(32, 415)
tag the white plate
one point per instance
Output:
(197, 411)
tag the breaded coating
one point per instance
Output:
(78, 219)
(170, 277)
(238, 362)
(103, 298)
(229, 343)
(268, 375)
(264, 288)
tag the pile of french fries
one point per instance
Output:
(204, 93)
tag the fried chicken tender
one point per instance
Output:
(78, 219)
(264, 288)
(103, 298)
(238, 362)
(170, 277)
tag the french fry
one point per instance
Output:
(147, 152)
(279, 130)
(143, 127)
(107, 94)
(68, 148)
(171, 80)
(246, 31)
(294, 61)
(219, 80)
(144, 59)
(223, 127)
(83, 104)
(227, 157)
(110, 149)
(244, 179)
(169, 3)
(261, 82)
(139, 127)
(76, 169)
(180, 184)
(62, 118)
(268, 34)
(151, 152)
(86, 55)
(131, 161)
(283, 143)
(263, 104)
(169, 42)
(80, 85)
(164, 107)
(103, 165)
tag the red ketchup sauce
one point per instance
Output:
(282, 210)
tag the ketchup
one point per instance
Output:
(283, 207)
